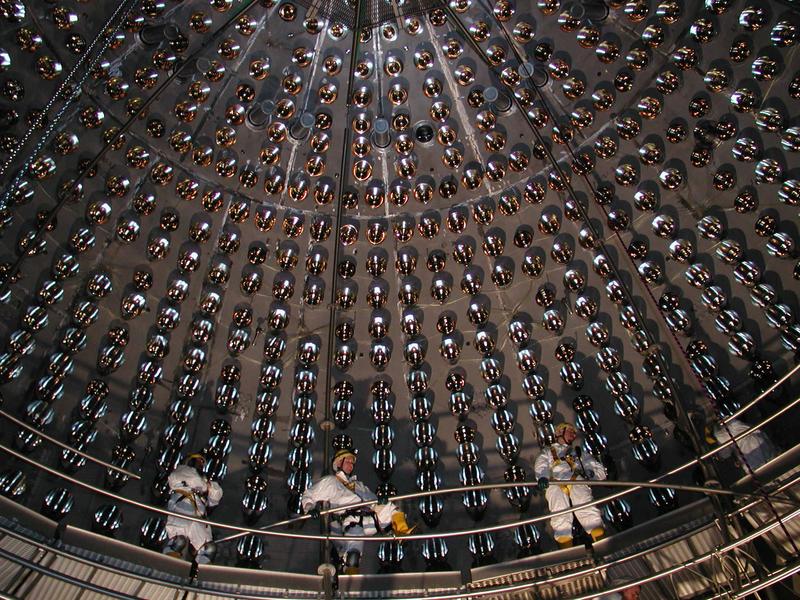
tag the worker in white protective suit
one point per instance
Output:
(563, 462)
(756, 448)
(340, 489)
(191, 494)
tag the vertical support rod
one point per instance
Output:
(682, 416)
(326, 451)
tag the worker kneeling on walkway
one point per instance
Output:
(562, 461)
(191, 493)
(341, 489)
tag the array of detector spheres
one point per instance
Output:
(187, 227)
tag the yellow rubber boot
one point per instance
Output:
(351, 570)
(399, 524)
(597, 533)
(564, 541)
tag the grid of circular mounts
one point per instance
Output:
(494, 208)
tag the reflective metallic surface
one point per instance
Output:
(264, 230)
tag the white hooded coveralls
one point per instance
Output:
(756, 447)
(336, 491)
(560, 462)
(189, 497)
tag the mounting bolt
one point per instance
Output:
(380, 133)
(301, 127)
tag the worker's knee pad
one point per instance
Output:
(352, 558)
(206, 554)
(176, 544)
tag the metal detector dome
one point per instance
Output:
(427, 231)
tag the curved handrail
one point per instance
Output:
(64, 577)
(504, 485)
(763, 394)
(654, 576)
(53, 440)
(176, 584)
(269, 532)
(771, 578)
(716, 552)
(514, 485)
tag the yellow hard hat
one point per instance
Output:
(561, 429)
(196, 456)
(339, 457)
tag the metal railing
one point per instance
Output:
(772, 578)
(61, 444)
(269, 530)
(550, 580)
(764, 394)
(715, 553)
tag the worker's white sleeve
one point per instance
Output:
(318, 492)
(329, 489)
(543, 465)
(384, 513)
(214, 493)
(364, 492)
(187, 478)
(590, 463)
(736, 428)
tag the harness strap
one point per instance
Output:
(358, 514)
(350, 485)
(558, 460)
(190, 496)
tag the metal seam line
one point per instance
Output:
(617, 235)
(566, 170)
(120, 132)
(53, 440)
(584, 215)
(248, 530)
(104, 31)
(694, 435)
(337, 226)
(351, 75)
(634, 275)
(567, 184)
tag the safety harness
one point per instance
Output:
(558, 460)
(191, 498)
(354, 516)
